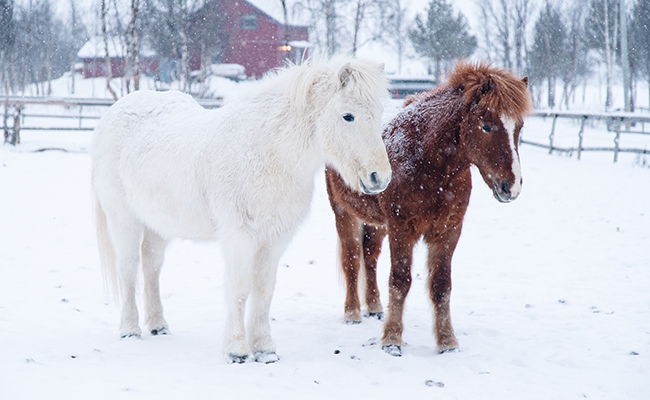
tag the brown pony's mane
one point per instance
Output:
(490, 87)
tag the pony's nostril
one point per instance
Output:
(373, 178)
(504, 186)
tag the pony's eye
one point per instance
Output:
(487, 128)
(348, 117)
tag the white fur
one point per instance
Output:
(165, 168)
(510, 126)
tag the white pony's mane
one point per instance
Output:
(297, 82)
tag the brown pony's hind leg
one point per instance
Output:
(441, 249)
(372, 240)
(349, 230)
(401, 254)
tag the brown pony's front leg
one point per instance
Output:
(441, 249)
(401, 254)
(372, 240)
(349, 230)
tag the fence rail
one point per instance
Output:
(615, 121)
(80, 102)
(15, 107)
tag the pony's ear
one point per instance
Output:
(344, 74)
(488, 84)
(525, 81)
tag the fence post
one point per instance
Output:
(581, 135)
(550, 137)
(617, 138)
(19, 109)
(5, 116)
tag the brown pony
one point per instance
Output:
(475, 118)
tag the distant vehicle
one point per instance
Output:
(236, 72)
(402, 86)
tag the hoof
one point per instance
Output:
(266, 358)
(161, 331)
(130, 335)
(449, 350)
(378, 315)
(237, 359)
(392, 349)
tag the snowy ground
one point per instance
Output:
(551, 297)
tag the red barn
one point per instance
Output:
(92, 55)
(250, 32)
(254, 35)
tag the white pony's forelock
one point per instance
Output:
(367, 80)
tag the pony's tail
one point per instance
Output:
(106, 251)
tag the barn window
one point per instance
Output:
(248, 21)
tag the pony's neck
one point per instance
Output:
(287, 135)
(439, 126)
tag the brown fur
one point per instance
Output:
(431, 144)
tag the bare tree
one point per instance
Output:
(577, 64)
(497, 18)
(325, 24)
(107, 57)
(602, 34)
(184, 82)
(7, 43)
(132, 67)
(366, 13)
(394, 28)
(520, 18)
(641, 28)
(503, 31)
(625, 62)
(548, 53)
(7, 51)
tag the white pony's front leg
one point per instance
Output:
(239, 253)
(264, 278)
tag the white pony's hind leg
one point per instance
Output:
(239, 254)
(153, 255)
(126, 235)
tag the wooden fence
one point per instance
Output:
(618, 122)
(18, 110)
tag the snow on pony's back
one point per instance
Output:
(164, 167)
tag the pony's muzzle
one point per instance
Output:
(502, 191)
(374, 183)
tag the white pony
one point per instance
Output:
(163, 168)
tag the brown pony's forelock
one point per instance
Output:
(494, 88)
(490, 87)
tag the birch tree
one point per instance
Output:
(394, 28)
(641, 32)
(548, 50)
(107, 57)
(131, 38)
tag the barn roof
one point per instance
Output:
(94, 48)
